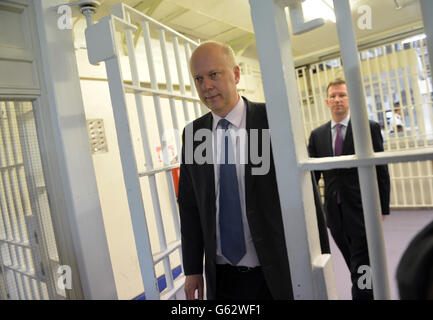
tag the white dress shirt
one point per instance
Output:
(237, 127)
(345, 123)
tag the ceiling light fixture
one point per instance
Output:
(314, 9)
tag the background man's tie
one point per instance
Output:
(230, 216)
(338, 149)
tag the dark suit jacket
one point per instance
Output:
(346, 181)
(198, 214)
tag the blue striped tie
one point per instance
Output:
(230, 216)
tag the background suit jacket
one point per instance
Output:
(346, 181)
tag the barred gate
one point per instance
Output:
(396, 75)
(29, 259)
(130, 43)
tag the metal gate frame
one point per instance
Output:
(278, 73)
(103, 45)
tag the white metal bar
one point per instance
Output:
(18, 270)
(134, 16)
(388, 145)
(5, 210)
(158, 170)
(319, 101)
(126, 150)
(411, 95)
(19, 158)
(397, 80)
(154, 190)
(25, 244)
(178, 284)
(33, 216)
(187, 46)
(364, 149)
(19, 283)
(416, 94)
(181, 78)
(302, 105)
(18, 190)
(161, 93)
(170, 183)
(170, 248)
(3, 233)
(175, 120)
(321, 97)
(137, 16)
(35, 290)
(27, 260)
(10, 205)
(409, 98)
(288, 141)
(395, 138)
(429, 101)
(350, 161)
(371, 84)
(427, 13)
(316, 112)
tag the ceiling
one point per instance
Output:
(230, 21)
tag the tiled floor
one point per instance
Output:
(399, 229)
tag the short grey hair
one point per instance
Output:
(226, 49)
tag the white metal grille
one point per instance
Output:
(28, 257)
(148, 52)
(396, 75)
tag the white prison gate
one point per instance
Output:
(44, 210)
(393, 72)
(29, 258)
(170, 109)
(281, 91)
(29, 255)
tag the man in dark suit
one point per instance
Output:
(343, 203)
(245, 258)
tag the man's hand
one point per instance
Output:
(383, 217)
(192, 283)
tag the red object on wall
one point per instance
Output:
(175, 173)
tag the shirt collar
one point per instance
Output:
(234, 116)
(344, 122)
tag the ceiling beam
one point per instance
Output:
(174, 15)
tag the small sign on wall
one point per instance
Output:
(97, 138)
(170, 154)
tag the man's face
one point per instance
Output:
(338, 102)
(215, 79)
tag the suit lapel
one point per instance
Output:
(328, 142)
(208, 182)
(348, 141)
(251, 123)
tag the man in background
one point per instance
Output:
(343, 204)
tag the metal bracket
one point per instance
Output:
(86, 7)
(299, 25)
